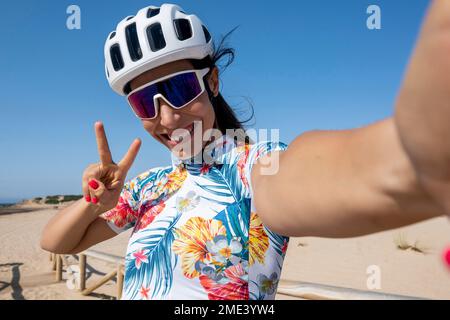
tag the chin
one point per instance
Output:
(186, 153)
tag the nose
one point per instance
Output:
(168, 116)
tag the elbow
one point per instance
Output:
(44, 242)
(48, 245)
(56, 250)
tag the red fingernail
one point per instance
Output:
(447, 257)
(93, 184)
(94, 200)
(88, 198)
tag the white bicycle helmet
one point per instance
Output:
(153, 37)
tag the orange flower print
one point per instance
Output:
(191, 242)
(169, 184)
(258, 240)
(175, 180)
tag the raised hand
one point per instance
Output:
(103, 181)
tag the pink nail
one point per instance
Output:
(447, 256)
(93, 184)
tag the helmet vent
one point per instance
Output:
(133, 42)
(116, 57)
(151, 12)
(129, 18)
(207, 34)
(113, 34)
(155, 37)
(182, 28)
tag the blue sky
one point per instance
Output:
(304, 64)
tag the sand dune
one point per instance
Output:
(25, 269)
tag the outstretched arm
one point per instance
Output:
(383, 176)
(342, 184)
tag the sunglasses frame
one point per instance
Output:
(200, 73)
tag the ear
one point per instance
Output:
(213, 81)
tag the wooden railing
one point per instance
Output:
(118, 272)
(298, 289)
(315, 291)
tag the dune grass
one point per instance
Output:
(403, 244)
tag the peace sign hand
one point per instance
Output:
(103, 182)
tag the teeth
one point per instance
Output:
(180, 137)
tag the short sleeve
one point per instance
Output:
(257, 151)
(125, 214)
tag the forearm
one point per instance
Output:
(67, 228)
(422, 114)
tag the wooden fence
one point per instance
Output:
(298, 289)
(118, 272)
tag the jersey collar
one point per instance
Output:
(214, 152)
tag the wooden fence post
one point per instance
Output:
(53, 261)
(58, 267)
(82, 265)
(119, 281)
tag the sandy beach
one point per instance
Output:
(416, 270)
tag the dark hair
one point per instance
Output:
(226, 117)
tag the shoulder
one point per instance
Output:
(243, 157)
(249, 153)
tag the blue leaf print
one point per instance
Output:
(157, 240)
(235, 218)
(277, 240)
(226, 183)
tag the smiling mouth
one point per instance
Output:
(175, 138)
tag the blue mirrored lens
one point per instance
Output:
(178, 90)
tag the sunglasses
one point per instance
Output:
(177, 89)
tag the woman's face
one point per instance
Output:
(168, 120)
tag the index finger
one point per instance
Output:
(102, 144)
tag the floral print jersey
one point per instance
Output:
(196, 234)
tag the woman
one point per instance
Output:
(213, 225)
